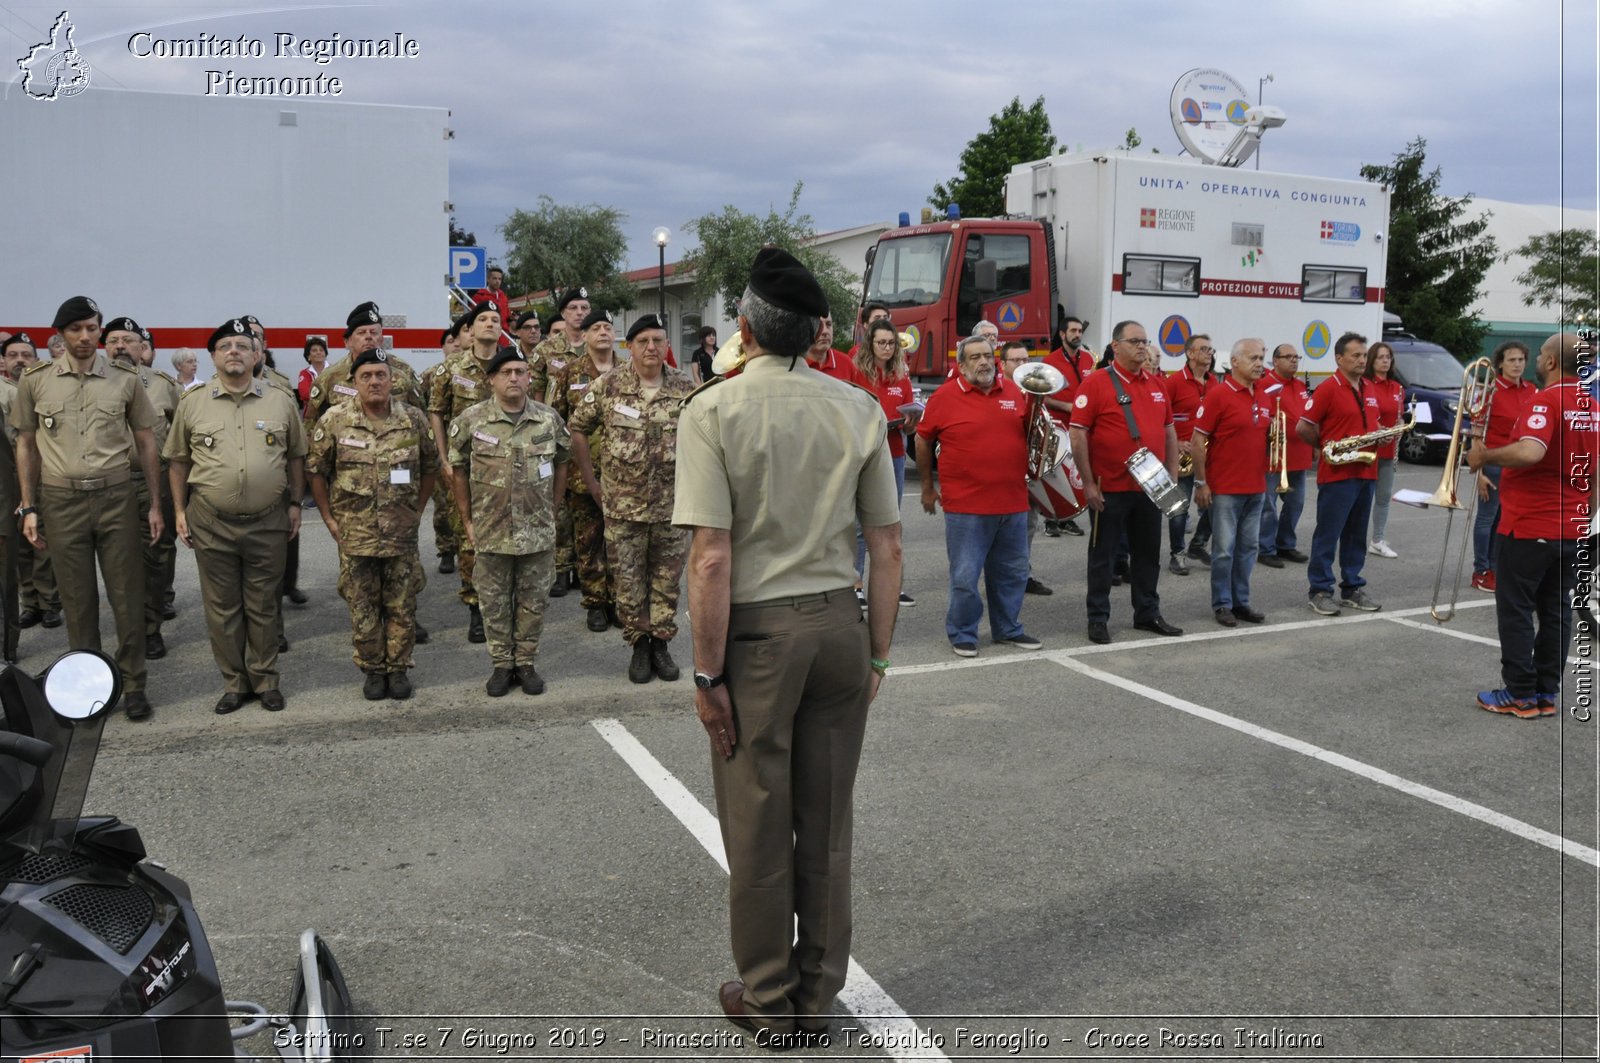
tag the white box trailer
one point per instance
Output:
(1183, 247)
(183, 211)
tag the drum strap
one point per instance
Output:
(1126, 403)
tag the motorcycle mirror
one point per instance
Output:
(82, 685)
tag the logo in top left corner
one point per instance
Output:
(54, 69)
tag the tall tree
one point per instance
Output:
(1438, 255)
(1564, 272)
(560, 246)
(460, 237)
(729, 240)
(1014, 135)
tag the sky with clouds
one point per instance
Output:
(668, 111)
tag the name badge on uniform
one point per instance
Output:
(544, 470)
(343, 389)
(360, 444)
(627, 411)
(576, 387)
(486, 438)
(470, 385)
(399, 476)
(556, 363)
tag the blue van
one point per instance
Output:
(1432, 377)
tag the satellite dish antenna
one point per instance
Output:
(1209, 109)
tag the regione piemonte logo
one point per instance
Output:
(55, 68)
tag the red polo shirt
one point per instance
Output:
(1235, 422)
(1291, 396)
(1076, 371)
(1097, 412)
(1510, 401)
(1340, 410)
(893, 393)
(1391, 401)
(1188, 392)
(983, 446)
(840, 367)
(1552, 498)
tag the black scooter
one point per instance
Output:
(101, 953)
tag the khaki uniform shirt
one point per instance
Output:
(237, 446)
(333, 386)
(787, 463)
(374, 471)
(163, 393)
(460, 382)
(640, 441)
(8, 396)
(8, 454)
(510, 463)
(81, 422)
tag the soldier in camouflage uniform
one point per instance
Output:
(363, 331)
(563, 345)
(567, 388)
(527, 333)
(637, 403)
(381, 461)
(36, 581)
(444, 504)
(510, 453)
(124, 340)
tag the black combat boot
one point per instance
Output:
(598, 620)
(399, 686)
(447, 563)
(474, 624)
(559, 588)
(376, 688)
(499, 683)
(661, 661)
(639, 667)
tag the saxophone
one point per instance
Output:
(1353, 449)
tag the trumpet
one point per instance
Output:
(1278, 448)
(1477, 392)
(1353, 449)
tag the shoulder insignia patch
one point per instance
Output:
(455, 428)
(321, 435)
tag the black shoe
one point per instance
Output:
(1199, 553)
(1293, 555)
(1099, 633)
(1052, 529)
(155, 647)
(530, 680)
(475, 624)
(1117, 578)
(297, 596)
(169, 611)
(1270, 560)
(376, 688)
(29, 618)
(559, 588)
(422, 635)
(661, 661)
(137, 705)
(1226, 618)
(399, 686)
(447, 564)
(51, 618)
(499, 684)
(283, 643)
(1071, 527)
(1159, 626)
(272, 700)
(613, 618)
(598, 621)
(639, 668)
(1248, 615)
(1035, 587)
(230, 702)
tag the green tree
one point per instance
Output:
(460, 237)
(729, 240)
(1564, 271)
(1131, 139)
(1438, 255)
(560, 246)
(1014, 135)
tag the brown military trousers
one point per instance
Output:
(646, 560)
(161, 556)
(512, 589)
(80, 526)
(241, 570)
(36, 578)
(382, 595)
(798, 672)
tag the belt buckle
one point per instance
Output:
(91, 483)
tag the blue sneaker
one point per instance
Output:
(1502, 701)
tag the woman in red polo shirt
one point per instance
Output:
(1391, 405)
(1511, 396)
(882, 365)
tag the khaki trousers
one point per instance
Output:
(241, 570)
(798, 676)
(80, 526)
(161, 556)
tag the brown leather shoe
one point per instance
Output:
(731, 996)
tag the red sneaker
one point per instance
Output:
(1483, 581)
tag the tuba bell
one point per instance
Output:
(1053, 485)
(729, 357)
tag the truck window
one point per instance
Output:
(1160, 275)
(1011, 255)
(909, 270)
(1333, 284)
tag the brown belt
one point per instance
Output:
(239, 518)
(92, 483)
(797, 600)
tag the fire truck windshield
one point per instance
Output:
(909, 270)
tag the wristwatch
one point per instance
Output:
(23, 511)
(706, 682)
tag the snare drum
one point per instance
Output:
(1151, 474)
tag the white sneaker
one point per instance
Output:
(1381, 548)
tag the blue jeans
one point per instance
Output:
(1380, 497)
(1343, 509)
(1277, 524)
(996, 547)
(1233, 556)
(861, 538)
(1484, 539)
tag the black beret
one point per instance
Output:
(232, 327)
(503, 358)
(446, 334)
(77, 308)
(783, 280)
(525, 317)
(365, 314)
(594, 318)
(21, 337)
(649, 321)
(571, 295)
(251, 319)
(476, 311)
(376, 356)
(121, 324)
(144, 334)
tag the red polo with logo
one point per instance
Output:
(1391, 396)
(1098, 413)
(1235, 425)
(1341, 410)
(893, 393)
(1187, 392)
(840, 367)
(1553, 498)
(1510, 402)
(1291, 395)
(983, 446)
(1076, 371)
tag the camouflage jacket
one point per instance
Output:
(458, 382)
(333, 386)
(554, 354)
(374, 471)
(637, 449)
(510, 463)
(577, 372)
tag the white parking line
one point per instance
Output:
(873, 1008)
(1469, 637)
(1338, 760)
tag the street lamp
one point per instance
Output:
(661, 236)
(1261, 83)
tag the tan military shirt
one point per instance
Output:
(510, 461)
(374, 470)
(163, 393)
(81, 422)
(787, 463)
(640, 443)
(8, 396)
(459, 383)
(237, 446)
(8, 454)
(333, 385)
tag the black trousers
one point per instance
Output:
(1131, 512)
(1535, 580)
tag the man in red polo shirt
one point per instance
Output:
(1230, 464)
(1547, 504)
(1101, 445)
(978, 420)
(1342, 407)
(824, 359)
(1074, 362)
(1187, 386)
(1280, 514)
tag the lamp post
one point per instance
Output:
(1261, 84)
(661, 235)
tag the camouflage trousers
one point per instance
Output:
(589, 544)
(382, 595)
(445, 536)
(161, 556)
(565, 560)
(511, 593)
(646, 563)
(466, 557)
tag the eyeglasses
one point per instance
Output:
(1135, 343)
(1205, 350)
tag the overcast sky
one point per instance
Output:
(670, 110)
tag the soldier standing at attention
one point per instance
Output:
(169, 548)
(36, 580)
(363, 331)
(73, 418)
(509, 455)
(636, 405)
(237, 453)
(444, 506)
(380, 461)
(562, 346)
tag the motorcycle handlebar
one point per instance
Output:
(29, 750)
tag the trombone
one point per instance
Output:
(1477, 392)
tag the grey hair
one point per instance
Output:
(778, 331)
(984, 322)
(1238, 346)
(183, 356)
(961, 349)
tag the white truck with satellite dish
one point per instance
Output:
(1182, 245)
